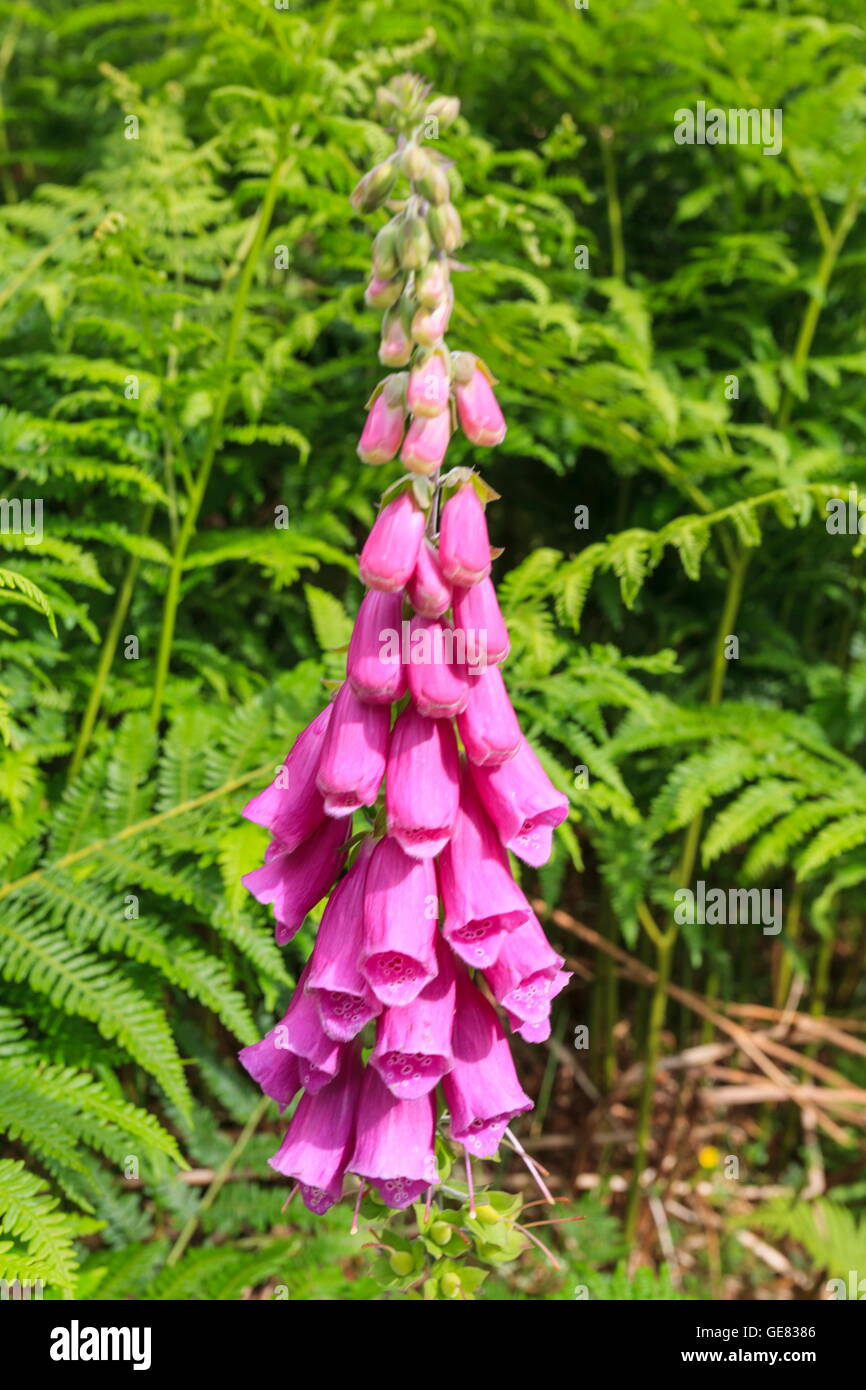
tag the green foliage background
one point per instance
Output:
(155, 258)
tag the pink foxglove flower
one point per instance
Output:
(401, 912)
(477, 407)
(488, 725)
(319, 1138)
(274, 1068)
(393, 1143)
(482, 1089)
(395, 349)
(426, 442)
(429, 591)
(429, 384)
(291, 807)
(481, 900)
(297, 1051)
(464, 547)
(353, 758)
(294, 882)
(476, 611)
(422, 786)
(429, 326)
(343, 996)
(522, 802)
(527, 975)
(438, 685)
(374, 674)
(413, 1042)
(383, 428)
(391, 550)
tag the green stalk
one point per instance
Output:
(194, 504)
(614, 206)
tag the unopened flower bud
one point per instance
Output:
(432, 282)
(429, 384)
(381, 294)
(429, 325)
(414, 162)
(385, 262)
(445, 226)
(414, 243)
(445, 109)
(433, 184)
(395, 348)
(374, 187)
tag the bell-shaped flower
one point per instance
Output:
(422, 786)
(320, 1136)
(297, 1046)
(391, 549)
(344, 999)
(522, 802)
(428, 590)
(353, 757)
(527, 974)
(426, 442)
(477, 407)
(401, 912)
(481, 900)
(373, 665)
(429, 384)
(292, 807)
(438, 682)
(488, 725)
(383, 428)
(394, 1142)
(295, 881)
(413, 1042)
(482, 1089)
(478, 615)
(464, 546)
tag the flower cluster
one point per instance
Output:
(426, 930)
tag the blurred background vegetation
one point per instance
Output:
(185, 350)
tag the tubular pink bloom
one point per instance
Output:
(464, 546)
(376, 677)
(482, 1089)
(481, 900)
(299, 1041)
(488, 725)
(426, 442)
(401, 912)
(438, 685)
(478, 409)
(522, 802)
(292, 807)
(343, 997)
(294, 882)
(383, 429)
(476, 611)
(527, 975)
(429, 591)
(429, 326)
(393, 1143)
(391, 549)
(319, 1137)
(413, 1043)
(536, 1032)
(353, 758)
(274, 1068)
(422, 789)
(429, 385)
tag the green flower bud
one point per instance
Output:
(487, 1215)
(450, 1284)
(441, 1232)
(414, 162)
(402, 1263)
(381, 294)
(433, 185)
(414, 243)
(385, 262)
(445, 109)
(374, 187)
(445, 226)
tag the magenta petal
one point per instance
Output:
(391, 549)
(527, 974)
(295, 882)
(478, 615)
(482, 1089)
(320, 1133)
(273, 1067)
(401, 912)
(422, 786)
(429, 591)
(394, 1142)
(382, 432)
(373, 665)
(522, 802)
(291, 807)
(341, 993)
(437, 682)
(413, 1043)
(488, 725)
(464, 547)
(353, 757)
(481, 419)
(481, 900)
